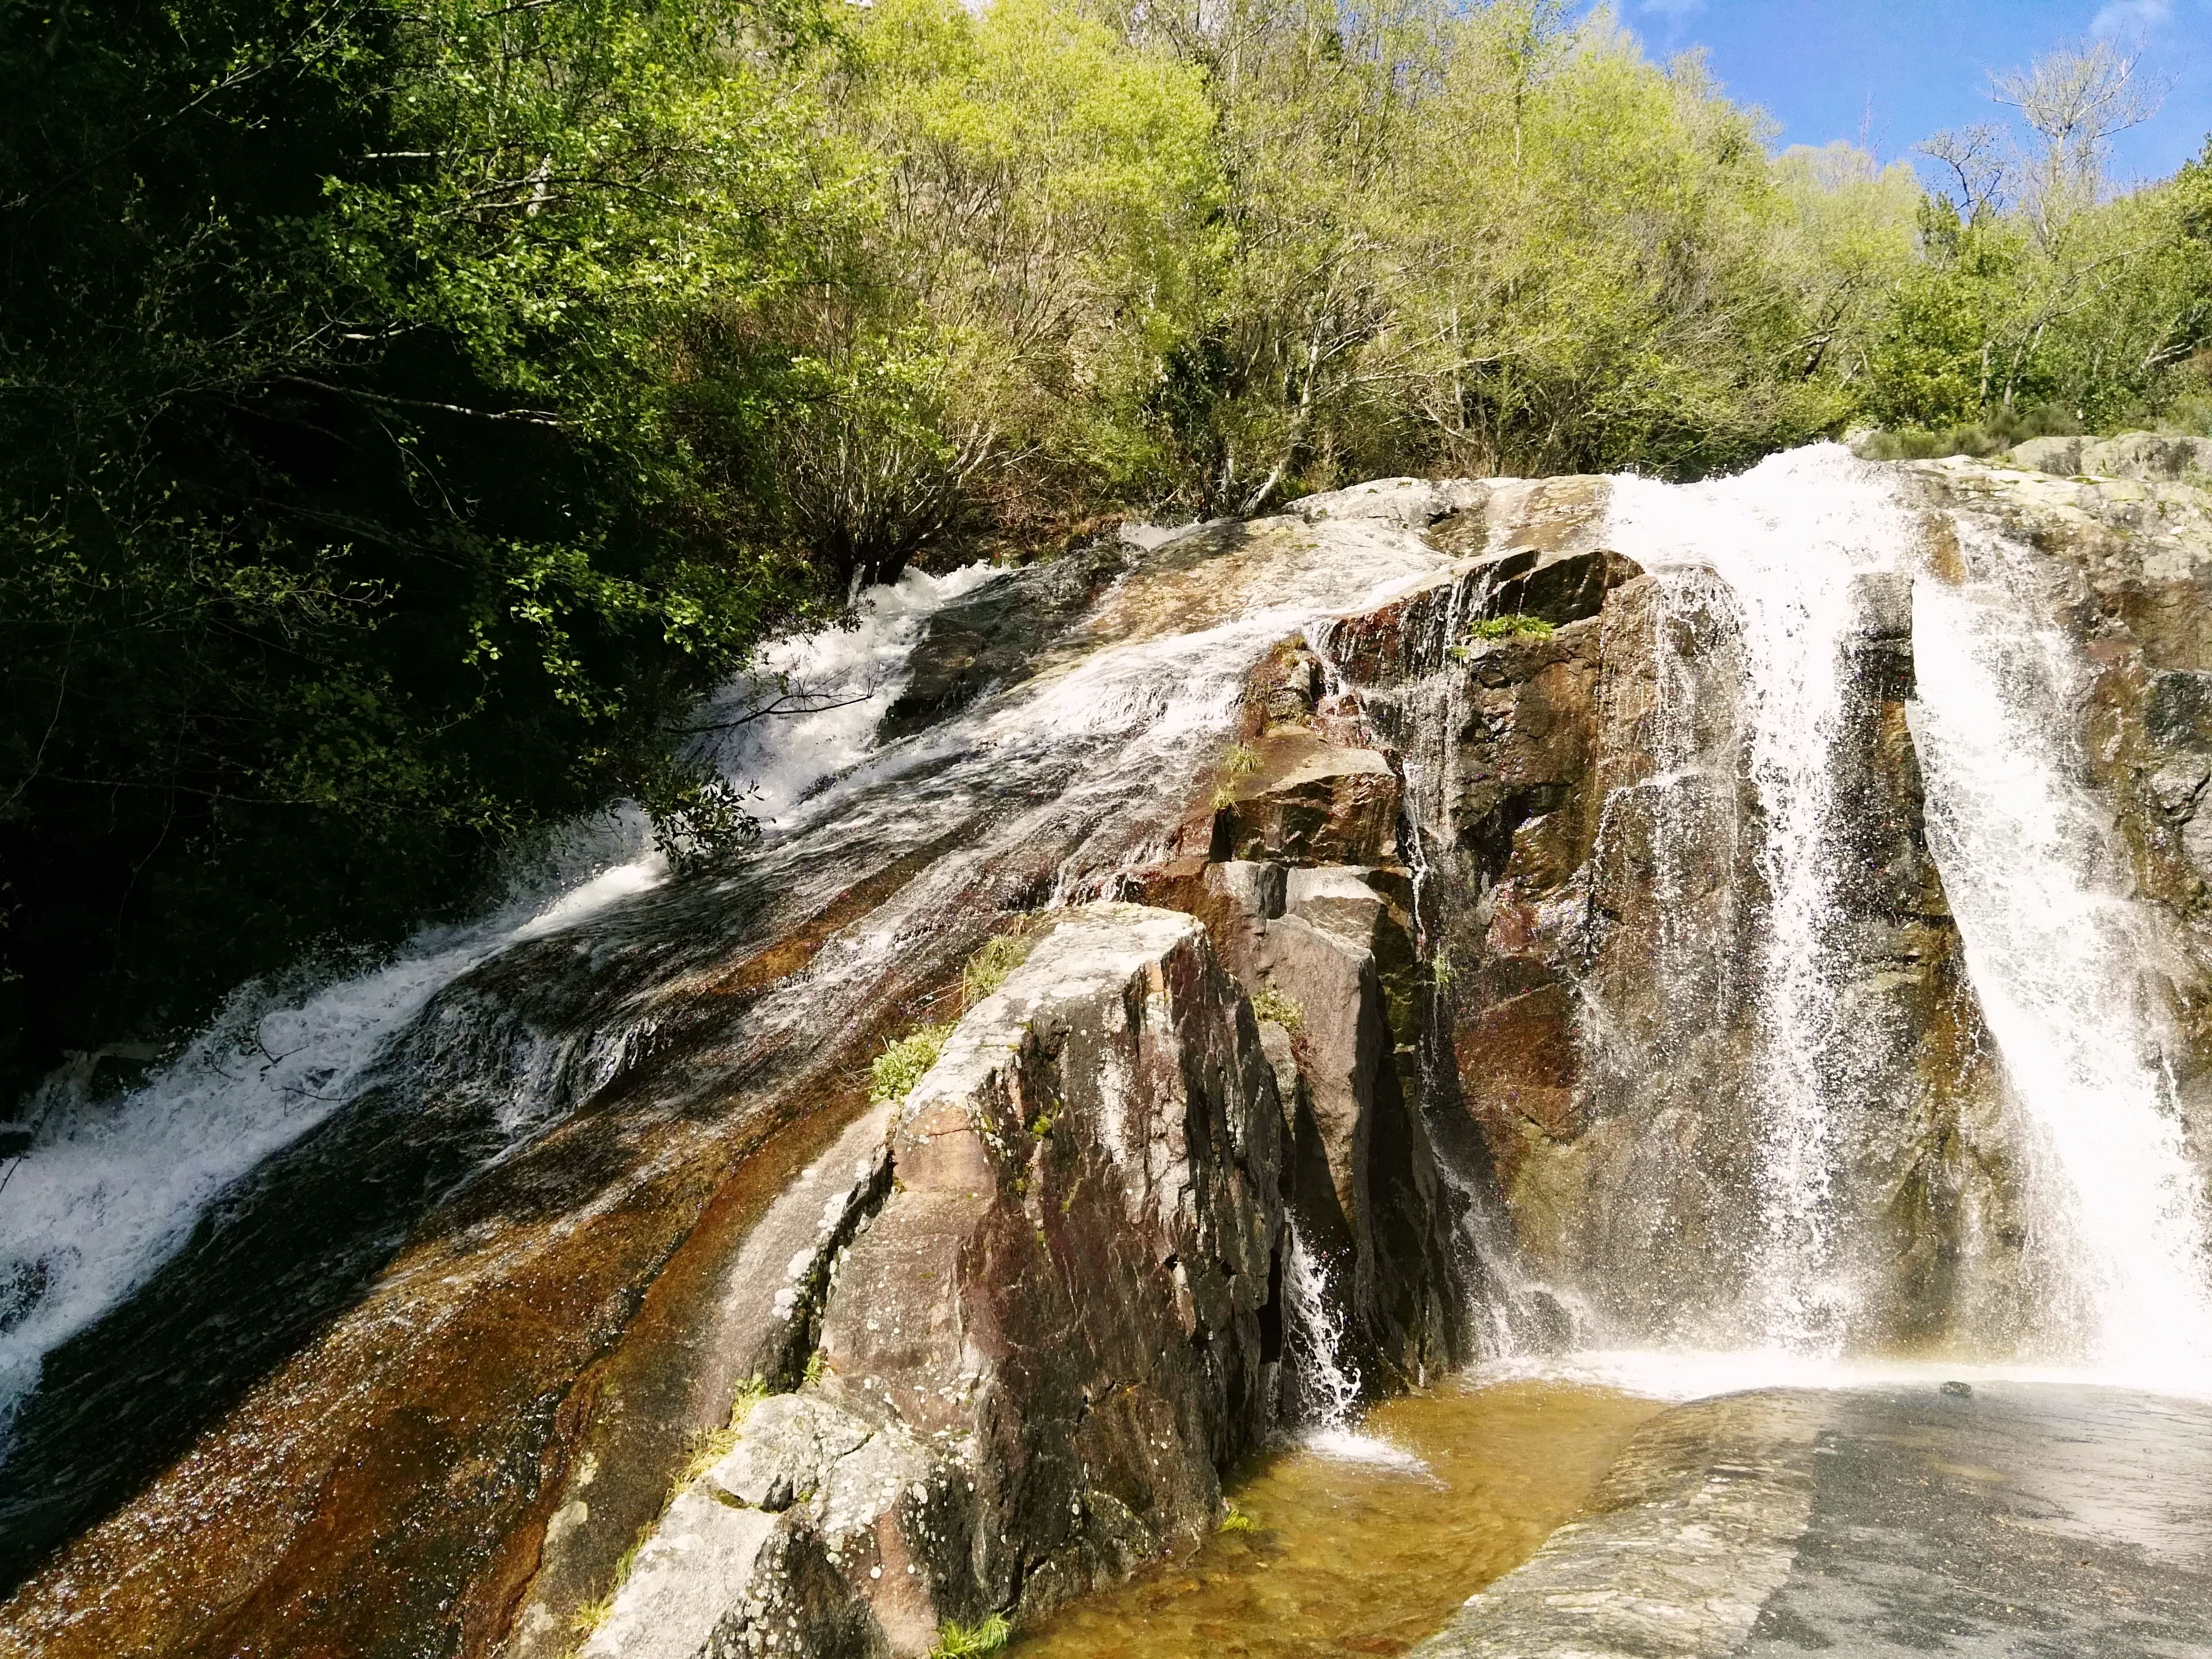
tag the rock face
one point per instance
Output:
(2145, 457)
(1422, 989)
(1035, 1360)
(1593, 890)
(2119, 570)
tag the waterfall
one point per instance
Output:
(1779, 552)
(463, 1053)
(1767, 579)
(1327, 1382)
(2059, 958)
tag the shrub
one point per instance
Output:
(958, 1641)
(987, 969)
(1268, 1002)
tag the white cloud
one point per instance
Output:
(2130, 16)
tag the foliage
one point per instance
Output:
(358, 518)
(2041, 302)
(406, 412)
(1268, 1002)
(961, 1641)
(1240, 762)
(893, 1074)
(1511, 626)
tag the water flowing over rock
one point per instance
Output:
(1464, 918)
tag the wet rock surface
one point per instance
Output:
(520, 1351)
(2119, 570)
(1455, 1003)
(2012, 1519)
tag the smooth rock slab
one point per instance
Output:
(2020, 1519)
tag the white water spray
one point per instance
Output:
(1328, 1382)
(1790, 539)
(2059, 960)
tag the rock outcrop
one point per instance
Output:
(1425, 972)
(1593, 892)
(1036, 1358)
(2119, 569)
(2145, 457)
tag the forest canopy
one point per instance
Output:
(409, 408)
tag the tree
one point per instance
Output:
(358, 515)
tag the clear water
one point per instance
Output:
(1365, 1543)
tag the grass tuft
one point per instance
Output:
(708, 1447)
(959, 1640)
(1506, 628)
(893, 1074)
(593, 1613)
(987, 969)
(1240, 762)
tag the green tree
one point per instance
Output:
(360, 495)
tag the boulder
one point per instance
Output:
(1038, 1357)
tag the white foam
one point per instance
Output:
(1351, 1446)
(808, 708)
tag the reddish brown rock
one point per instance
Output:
(1308, 801)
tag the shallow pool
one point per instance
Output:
(1363, 1543)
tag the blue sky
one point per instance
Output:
(1896, 70)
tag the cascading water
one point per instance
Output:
(881, 867)
(1326, 1383)
(1782, 549)
(2059, 960)
(1794, 558)
(109, 1189)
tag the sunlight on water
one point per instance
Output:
(2061, 960)
(1789, 540)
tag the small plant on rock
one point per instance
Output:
(1240, 762)
(1268, 1002)
(959, 1640)
(988, 968)
(1517, 625)
(708, 1447)
(893, 1074)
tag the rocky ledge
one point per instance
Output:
(1038, 1355)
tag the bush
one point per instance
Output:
(963, 1641)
